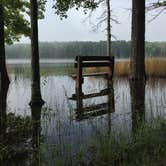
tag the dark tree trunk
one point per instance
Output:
(108, 28)
(137, 58)
(36, 133)
(3, 71)
(3, 103)
(36, 93)
(137, 92)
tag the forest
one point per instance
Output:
(60, 50)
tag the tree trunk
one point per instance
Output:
(108, 28)
(137, 59)
(3, 71)
(36, 93)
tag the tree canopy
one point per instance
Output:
(16, 18)
(61, 7)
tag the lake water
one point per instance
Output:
(42, 61)
(60, 127)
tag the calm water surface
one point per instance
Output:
(59, 126)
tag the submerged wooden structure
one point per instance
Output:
(82, 62)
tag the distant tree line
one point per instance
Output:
(120, 49)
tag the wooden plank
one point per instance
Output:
(94, 58)
(79, 82)
(91, 114)
(101, 93)
(104, 74)
(94, 64)
(95, 107)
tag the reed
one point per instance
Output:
(155, 67)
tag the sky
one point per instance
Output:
(77, 28)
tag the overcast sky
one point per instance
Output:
(75, 29)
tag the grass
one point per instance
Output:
(14, 136)
(146, 147)
(155, 67)
(44, 70)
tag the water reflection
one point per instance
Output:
(137, 91)
(36, 133)
(60, 129)
(19, 136)
(3, 96)
(94, 110)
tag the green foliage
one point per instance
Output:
(15, 148)
(62, 6)
(14, 20)
(16, 13)
(158, 4)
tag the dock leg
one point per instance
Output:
(79, 82)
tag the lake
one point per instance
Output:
(61, 129)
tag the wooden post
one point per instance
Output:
(79, 81)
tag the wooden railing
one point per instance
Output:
(92, 61)
(82, 62)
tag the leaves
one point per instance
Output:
(16, 18)
(62, 6)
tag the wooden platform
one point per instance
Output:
(94, 107)
(98, 94)
(82, 62)
(104, 74)
(84, 116)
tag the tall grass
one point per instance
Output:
(146, 147)
(155, 67)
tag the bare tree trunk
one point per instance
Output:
(36, 93)
(108, 28)
(137, 59)
(3, 71)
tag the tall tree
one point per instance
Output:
(137, 58)
(13, 24)
(35, 89)
(3, 70)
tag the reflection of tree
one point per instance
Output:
(36, 130)
(3, 96)
(15, 142)
(111, 103)
(95, 110)
(137, 91)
